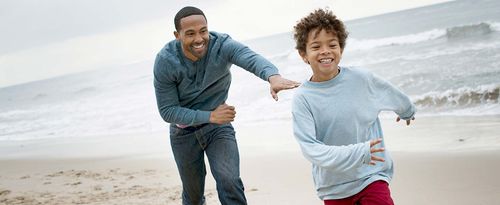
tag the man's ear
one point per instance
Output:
(177, 35)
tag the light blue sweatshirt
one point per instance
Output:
(187, 91)
(333, 122)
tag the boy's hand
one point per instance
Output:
(407, 121)
(222, 114)
(374, 158)
(278, 83)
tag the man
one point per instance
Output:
(191, 80)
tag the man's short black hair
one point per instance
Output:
(185, 12)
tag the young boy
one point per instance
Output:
(335, 117)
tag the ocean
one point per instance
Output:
(446, 57)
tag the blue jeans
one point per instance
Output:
(218, 142)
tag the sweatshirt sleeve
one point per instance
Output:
(167, 99)
(335, 158)
(392, 99)
(247, 59)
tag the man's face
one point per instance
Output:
(193, 36)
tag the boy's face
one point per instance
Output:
(194, 36)
(323, 53)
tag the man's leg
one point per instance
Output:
(189, 157)
(222, 153)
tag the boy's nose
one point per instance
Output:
(325, 51)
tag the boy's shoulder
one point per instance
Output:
(356, 70)
(357, 73)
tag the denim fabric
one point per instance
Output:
(218, 142)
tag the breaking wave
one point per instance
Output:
(451, 33)
(465, 31)
(460, 98)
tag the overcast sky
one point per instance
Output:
(42, 39)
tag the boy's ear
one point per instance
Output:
(303, 56)
(176, 34)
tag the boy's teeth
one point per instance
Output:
(325, 60)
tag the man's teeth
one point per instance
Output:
(329, 60)
(199, 46)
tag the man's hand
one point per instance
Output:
(278, 83)
(374, 158)
(222, 114)
(407, 121)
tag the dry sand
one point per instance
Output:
(273, 173)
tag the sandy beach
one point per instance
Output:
(458, 169)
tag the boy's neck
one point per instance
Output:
(316, 78)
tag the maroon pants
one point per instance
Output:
(377, 193)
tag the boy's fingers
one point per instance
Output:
(375, 141)
(373, 150)
(375, 158)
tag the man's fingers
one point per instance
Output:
(292, 84)
(274, 94)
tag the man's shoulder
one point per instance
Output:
(169, 53)
(170, 49)
(219, 36)
(220, 40)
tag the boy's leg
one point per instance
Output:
(377, 193)
(344, 201)
(189, 157)
(223, 156)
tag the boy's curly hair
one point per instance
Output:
(319, 19)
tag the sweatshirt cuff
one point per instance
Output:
(270, 73)
(408, 114)
(367, 156)
(202, 117)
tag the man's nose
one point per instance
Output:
(198, 38)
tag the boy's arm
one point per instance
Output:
(391, 98)
(338, 158)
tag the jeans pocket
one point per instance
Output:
(176, 132)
